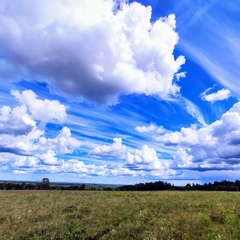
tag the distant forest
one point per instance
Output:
(149, 186)
(160, 185)
(43, 185)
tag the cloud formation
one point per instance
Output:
(217, 96)
(145, 158)
(193, 110)
(41, 110)
(205, 50)
(22, 127)
(22, 119)
(36, 143)
(25, 148)
(116, 150)
(90, 49)
(15, 121)
(215, 146)
(152, 128)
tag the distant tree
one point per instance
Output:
(83, 187)
(188, 187)
(23, 186)
(45, 183)
(30, 186)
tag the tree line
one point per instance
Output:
(44, 184)
(160, 185)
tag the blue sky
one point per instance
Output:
(120, 92)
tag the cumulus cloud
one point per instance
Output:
(20, 135)
(152, 128)
(91, 49)
(144, 162)
(215, 146)
(217, 96)
(180, 75)
(48, 163)
(22, 119)
(49, 158)
(41, 110)
(145, 158)
(16, 162)
(62, 144)
(15, 121)
(36, 143)
(185, 136)
(116, 150)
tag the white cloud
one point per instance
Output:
(20, 145)
(152, 128)
(214, 146)
(143, 163)
(9, 160)
(36, 143)
(84, 48)
(185, 136)
(62, 144)
(42, 110)
(19, 172)
(15, 121)
(145, 158)
(182, 159)
(217, 96)
(22, 120)
(180, 75)
(49, 158)
(49, 164)
(116, 150)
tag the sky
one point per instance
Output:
(120, 92)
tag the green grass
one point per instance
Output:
(96, 215)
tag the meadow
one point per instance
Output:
(94, 215)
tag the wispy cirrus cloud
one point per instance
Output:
(206, 47)
(190, 16)
(193, 110)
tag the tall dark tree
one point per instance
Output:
(45, 183)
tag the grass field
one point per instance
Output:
(116, 215)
